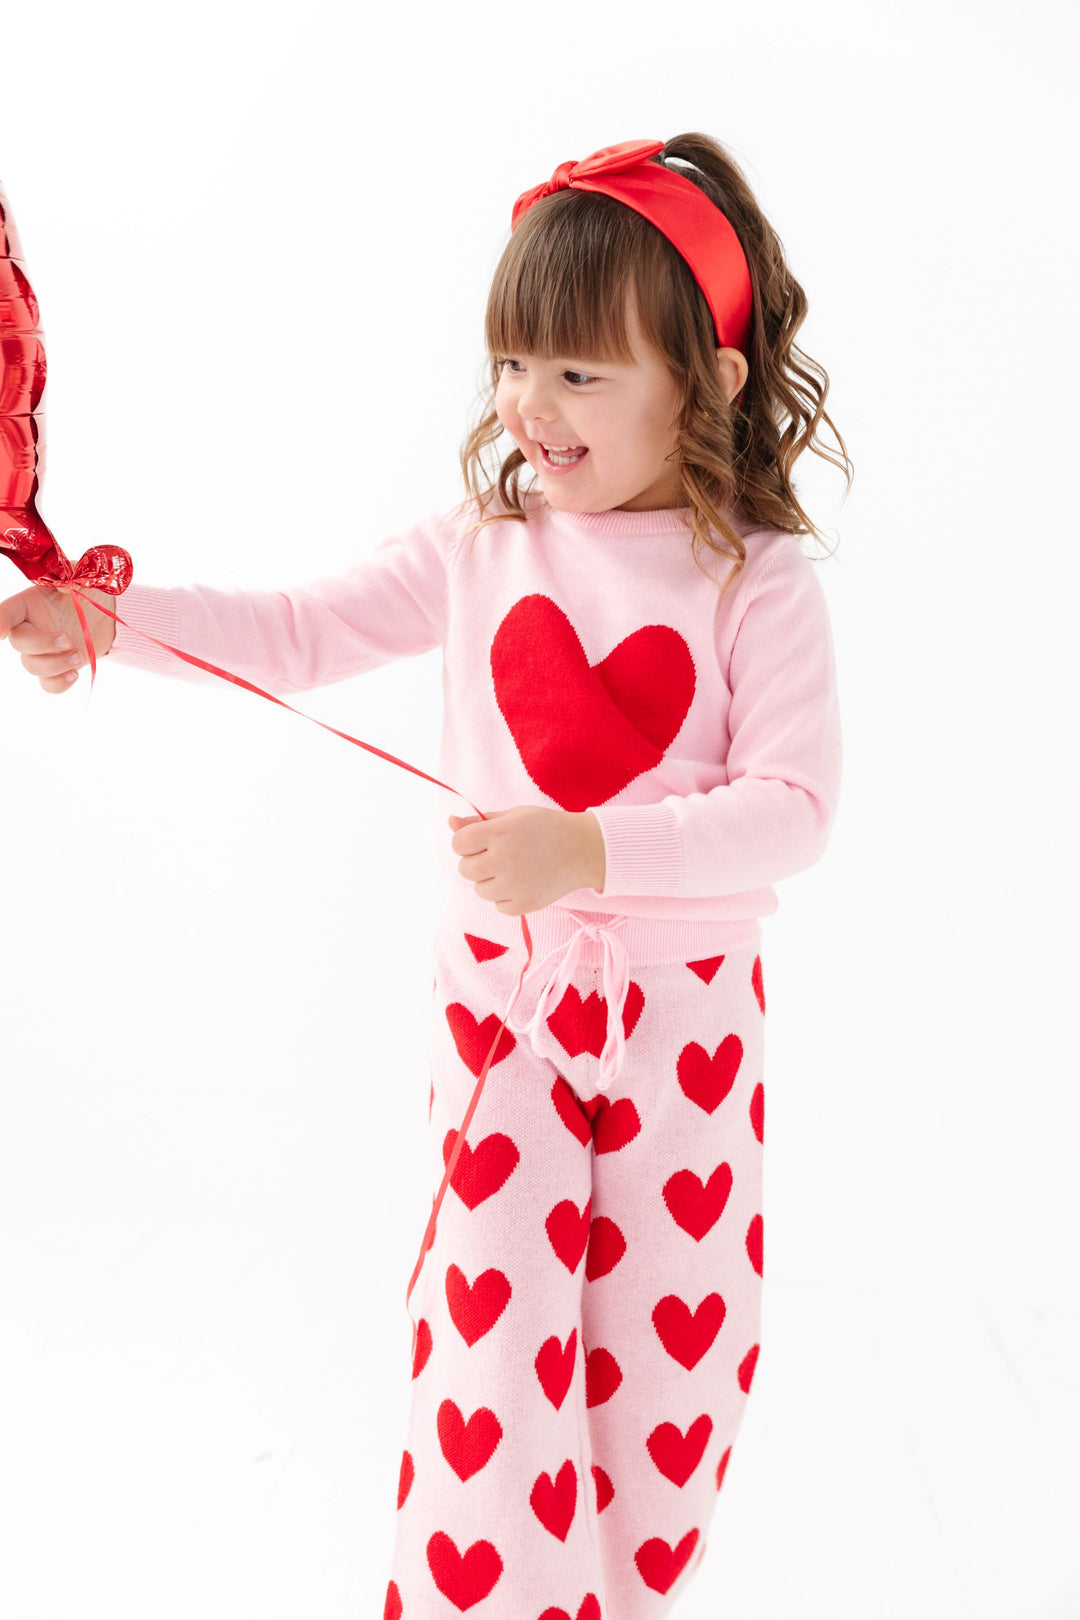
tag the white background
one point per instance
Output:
(261, 239)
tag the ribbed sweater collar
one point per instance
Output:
(628, 525)
(665, 520)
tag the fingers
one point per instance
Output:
(57, 672)
(54, 666)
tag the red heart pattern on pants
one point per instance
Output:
(492, 1383)
(568, 1230)
(603, 1376)
(475, 1309)
(480, 1171)
(707, 1080)
(423, 1347)
(687, 1334)
(589, 1610)
(660, 1564)
(473, 1037)
(579, 1023)
(697, 1205)
(583, 731)
(463, 1578)
(606, 1248)
(553, 1500)
(467, 1447)
(555, 1367)
(675, 1454)
(406, 1475)
(615, 1123)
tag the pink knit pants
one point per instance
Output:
(588, 1312)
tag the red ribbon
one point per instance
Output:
(237, 680)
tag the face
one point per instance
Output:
(622, 414)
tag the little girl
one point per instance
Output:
(639, 681)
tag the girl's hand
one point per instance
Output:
(523, 859)
(32, 621)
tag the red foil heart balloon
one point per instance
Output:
(24, 535)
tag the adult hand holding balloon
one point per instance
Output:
(104, 571)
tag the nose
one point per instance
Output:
(531, 404)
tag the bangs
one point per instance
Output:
(562, 286)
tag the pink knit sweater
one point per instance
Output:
(587, 665)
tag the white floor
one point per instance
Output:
(908, 1457)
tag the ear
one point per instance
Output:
(734, 370)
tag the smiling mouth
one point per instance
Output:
(563, 458)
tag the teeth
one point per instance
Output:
(563, 457)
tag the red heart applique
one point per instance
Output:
(584, 731)
(555, 1367)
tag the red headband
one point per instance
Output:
(680, 211)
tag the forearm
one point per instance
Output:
(592, 846)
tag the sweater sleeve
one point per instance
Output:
(392, 604)
(773, 816)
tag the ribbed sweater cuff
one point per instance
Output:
(643, 849)
(151, 608)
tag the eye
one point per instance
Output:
(506, 360)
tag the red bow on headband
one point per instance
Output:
(608, 160)
(699, 230)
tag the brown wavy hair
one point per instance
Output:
(561, 287)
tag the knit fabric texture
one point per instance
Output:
(588, 664)
(588, 1314)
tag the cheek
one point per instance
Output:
(506, 409)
